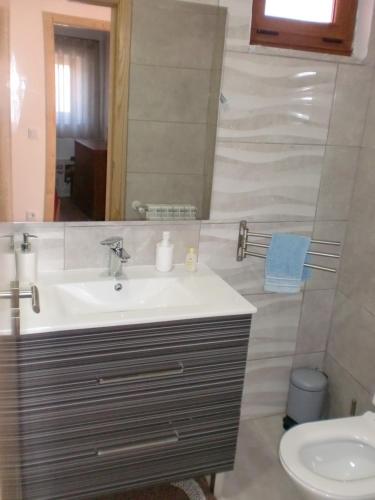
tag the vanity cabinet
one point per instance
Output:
(105, 410)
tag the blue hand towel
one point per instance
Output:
(286, 256)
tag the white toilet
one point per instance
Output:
(332, 459)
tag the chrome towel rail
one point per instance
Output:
(15, 293)
(244, 243)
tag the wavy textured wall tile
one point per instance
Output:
(262, 182)
(276, 99)
(266, 387)
(275, 325)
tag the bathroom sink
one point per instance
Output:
(117, 296)
(71, 300)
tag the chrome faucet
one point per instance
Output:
(117, 255)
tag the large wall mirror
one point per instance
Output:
(114, 107)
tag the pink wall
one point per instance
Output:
(28, 97)
(5, 161)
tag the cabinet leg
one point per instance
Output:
(212, 483)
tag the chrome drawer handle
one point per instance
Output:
(106, 452)
(142, 376)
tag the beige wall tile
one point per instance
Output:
(178, 95)
(160, 147)
(315, 322)
(350, 105)
(352, 340)
(342, 389)
(357, 276)
(238, 24)
(369, 131)
(192, 29)
(139, 240)
(337, 182)
(314, 360)
(266, 387)
(275, 326)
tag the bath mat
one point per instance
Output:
(183, 490)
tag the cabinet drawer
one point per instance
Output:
(135, 377)
(67, 415)
(137, 438)
(64, 350)
(134, 455)
(62, 370)
(169, 366)
(138, 475)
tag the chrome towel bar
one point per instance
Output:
(15, 293)
(319, 242)
(244, 243)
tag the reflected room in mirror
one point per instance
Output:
(81, 95)
(120, 117)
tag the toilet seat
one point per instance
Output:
(333, 458)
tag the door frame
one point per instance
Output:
(120, 29)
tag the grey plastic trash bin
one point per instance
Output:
(307, 391)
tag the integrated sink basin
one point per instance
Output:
(123, 295)
(89, 298)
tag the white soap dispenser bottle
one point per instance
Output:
(26, 260)
(164, 253)
(7, 263)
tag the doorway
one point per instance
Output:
(77, 68)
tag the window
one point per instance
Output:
(63, 88)
(316, 11)
(77, 86)
(315, 25)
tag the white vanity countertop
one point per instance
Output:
(87, 298)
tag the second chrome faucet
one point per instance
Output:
(117, 255)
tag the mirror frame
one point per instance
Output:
(120, 30)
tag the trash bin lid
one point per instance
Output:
(308, 379)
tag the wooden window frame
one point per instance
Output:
(332, 38)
